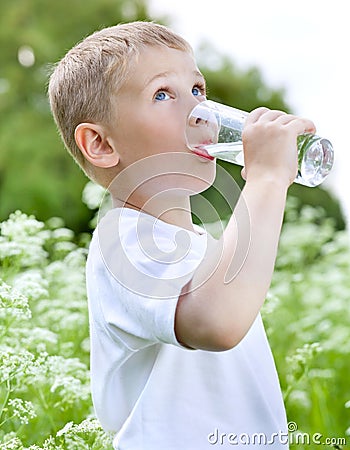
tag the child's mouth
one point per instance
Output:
(201, 151)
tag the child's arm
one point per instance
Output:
(212, 314)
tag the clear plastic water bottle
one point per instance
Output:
(315, 154)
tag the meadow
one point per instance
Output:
(45, 400)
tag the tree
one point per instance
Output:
(36, 173)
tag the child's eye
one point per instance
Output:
(161, 96)
(198, 91)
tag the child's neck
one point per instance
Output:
(175, 212)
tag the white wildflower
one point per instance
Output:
(70, 389)
(93, 195)
(96, 198)
(13, 303)
(300, 362)
(66, 429)
(38, 340)
(9, 249)
(11, 444)
(89, 425)
(23, 238)
(80, 435)
(23, 410)
(20, 224)
(55, 222)
(271, 303)
(32, 284)
(300, 398)
(62, 234)
(76, 259)
(50, 444)
(14, 363)
(63, 247)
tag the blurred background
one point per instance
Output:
(252, 53)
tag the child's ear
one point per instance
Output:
(95, 146)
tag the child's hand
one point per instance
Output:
(270, 144)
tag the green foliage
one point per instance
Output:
(37, 175)
(307, 318)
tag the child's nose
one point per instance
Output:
(197, 121)
(201, 116)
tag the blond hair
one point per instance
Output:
(83, 83)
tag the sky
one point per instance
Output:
(299, 45)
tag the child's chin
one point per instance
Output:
(204, 181)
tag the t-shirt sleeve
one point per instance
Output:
(140, 266)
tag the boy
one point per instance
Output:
(179, 356)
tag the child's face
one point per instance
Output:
(153, 105)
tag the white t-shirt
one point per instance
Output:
(150, 391)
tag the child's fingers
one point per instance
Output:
(298, 124)
(255, 115)
(264, 115)
(301, 125)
